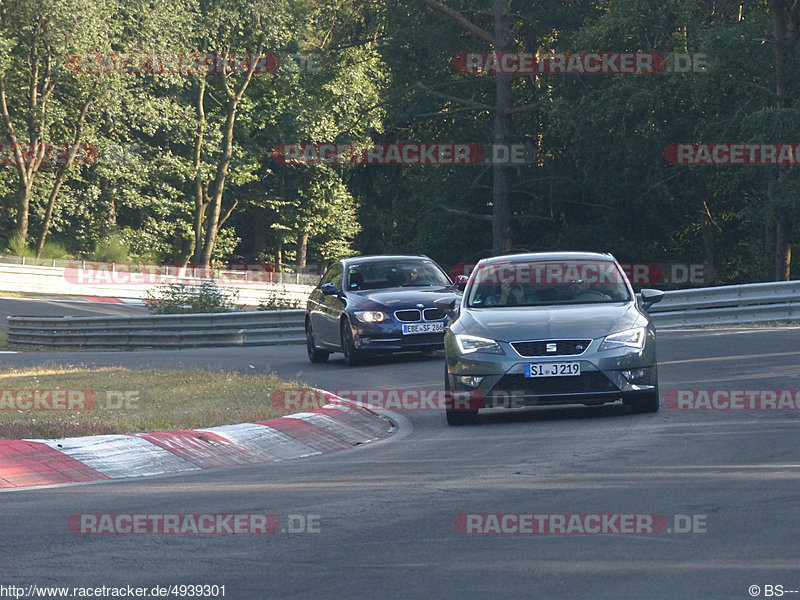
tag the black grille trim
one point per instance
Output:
(433, 314)
(586, 383)
(410, 315)
(539, 347)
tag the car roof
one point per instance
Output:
(548, 256)
(382, 257)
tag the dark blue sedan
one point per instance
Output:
(377, 305)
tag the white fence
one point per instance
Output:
(126, 281)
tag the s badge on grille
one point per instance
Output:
(551, 347)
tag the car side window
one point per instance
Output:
(333, 275)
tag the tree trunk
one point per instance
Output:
(708, 246)
(259, 235)
(212, 220)
(62, 174)
(215, 202)
(783, 247)
(302, 250)
(501, 211)
(26, 165)
(199, 192)
(784, 31)
(22, 202)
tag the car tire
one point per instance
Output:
(642, 402)
(315, 355)
(458, 417)
(352, 357)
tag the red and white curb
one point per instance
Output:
(335, 426)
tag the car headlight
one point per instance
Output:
(371, 316)
(468, 344)
(630, 338)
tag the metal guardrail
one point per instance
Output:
(729, 305)
(258, 328)
(751, 303)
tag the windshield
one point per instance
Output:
(400, 273)
(547, 283)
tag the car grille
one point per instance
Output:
(407, 315)
(412, 315)
(563, 347)
(433, 314)
(585, 383)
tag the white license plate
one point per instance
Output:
(558, 369)
(410, 328)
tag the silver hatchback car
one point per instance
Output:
(549, 328)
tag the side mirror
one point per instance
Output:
(461, 282)
(329, 289)
(650, 297)
(447, 306)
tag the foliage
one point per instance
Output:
(385, 73)
(275, 301)
(18, 247)
(56, 250)
(180, 298)
(111, 249)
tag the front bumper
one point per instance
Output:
(388, 337)
(605, 377)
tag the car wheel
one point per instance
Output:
(315, 355)
(352, 357)
(458, 417)
(642, 402)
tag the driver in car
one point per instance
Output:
(580, 290)
(510, 295)
(415, 277)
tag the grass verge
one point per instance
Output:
(131, 401)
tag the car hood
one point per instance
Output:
(403, 297)
(550, 322)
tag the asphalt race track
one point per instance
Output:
(61, 307)
(385, 511)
